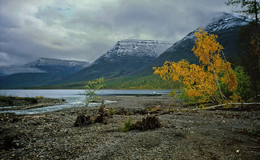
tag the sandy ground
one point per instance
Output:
(185, 133)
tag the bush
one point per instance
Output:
(101, 114)
(244, 88)
(150, 122)
(82, 120)
(92, 87)
(111, 112)
(39, 97)
(127, 125)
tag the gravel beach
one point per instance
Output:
(185, 133)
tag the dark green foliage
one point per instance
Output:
(249, 59)
(183, 99)
(110, 69)
(111, 112)
(249, 33)
(127, 125)
(127, 82)
(140, 82)
(244, 88)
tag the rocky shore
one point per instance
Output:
(23, 103)
(184, 133)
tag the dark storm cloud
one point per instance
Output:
(84, 30)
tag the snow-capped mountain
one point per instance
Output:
(137, 48)
(225, 25)
(124, 58)
(51, 62)
(138, 57)
(224, 20)
(221, 21)
(43, 71)
(42, 65)
(134, 57)
(8, 70)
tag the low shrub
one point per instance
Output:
(127, 125)
(82, 120)
(150, 122)
(39, 97)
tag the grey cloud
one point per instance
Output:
(165, 20)
(30, 29)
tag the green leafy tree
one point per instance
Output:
(244, 83)
(92, 87)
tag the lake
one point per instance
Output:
(73, 97)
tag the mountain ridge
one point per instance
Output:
(43, 71)
(34, 66)
(228, 36)
(124, 58)
(136, 58)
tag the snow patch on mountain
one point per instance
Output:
(138, 48)
(221, 21)
(225, 20)
(32, 67)
(50, 62)
(8, 70)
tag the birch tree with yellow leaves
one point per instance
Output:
(202, 82)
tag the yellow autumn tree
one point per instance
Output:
(202, 82)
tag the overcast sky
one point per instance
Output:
(86, 29)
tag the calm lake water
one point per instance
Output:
(74, 98)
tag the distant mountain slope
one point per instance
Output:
(225, 25)
(116, 63)
(132, 60)
(124, 58)
(43, 71)
(43, 65)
